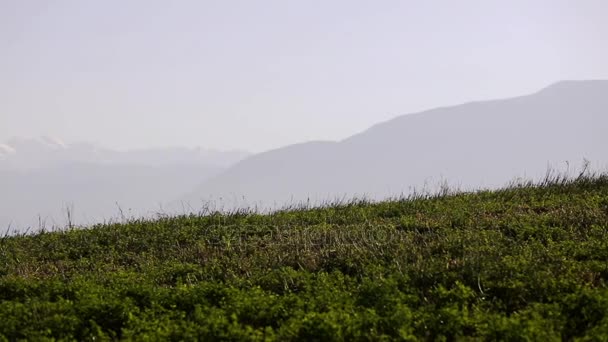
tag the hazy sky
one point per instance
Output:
(262, 74)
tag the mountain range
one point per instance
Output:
(27, 153)
(483, 144)
(42, 179)
(474, 145)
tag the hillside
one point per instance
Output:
(479, 144)
(523, 263)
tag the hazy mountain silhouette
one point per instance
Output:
(26, 153)
(479, 144)
(93, 192)
(43, 178)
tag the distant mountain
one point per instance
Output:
(92, 192)
(479, 144)
(40, 179)
(24, 153)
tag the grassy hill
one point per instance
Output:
(525, 263)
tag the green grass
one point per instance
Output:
(525, 263)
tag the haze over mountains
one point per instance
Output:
(41, 179)
(27, 153)
(473, 145)
(479, 144)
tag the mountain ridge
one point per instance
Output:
(474, 144)
(42, 178)
(21, 152)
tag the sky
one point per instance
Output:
(257, 75)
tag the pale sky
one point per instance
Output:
(262, 74)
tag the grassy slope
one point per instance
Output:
(522, 262)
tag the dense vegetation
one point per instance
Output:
(524, 263)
